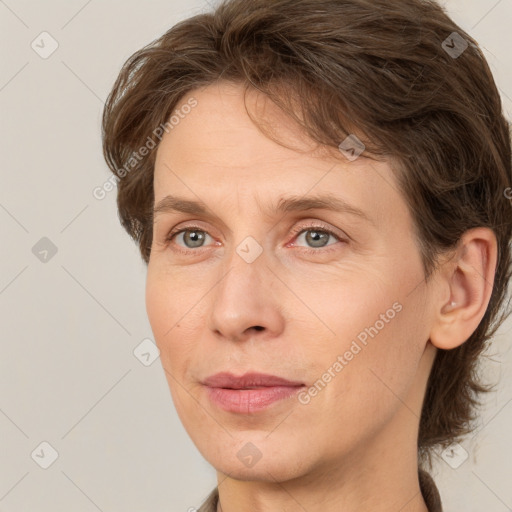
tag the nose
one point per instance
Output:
(242, 303)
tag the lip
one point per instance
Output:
(248, 380)
(248, 393)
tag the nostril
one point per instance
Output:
(258, 327)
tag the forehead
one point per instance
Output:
(220, 123)
(217, 150)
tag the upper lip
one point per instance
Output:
(247, 381)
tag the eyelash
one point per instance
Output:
(295, 232)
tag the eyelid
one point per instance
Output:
(190, 227)
(341, 236)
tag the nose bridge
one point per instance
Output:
(244, 275)
(241, 300)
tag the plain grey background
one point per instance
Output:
(73, 372)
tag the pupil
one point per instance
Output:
(196, 238)
(316, 236)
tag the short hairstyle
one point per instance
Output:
(383, 69)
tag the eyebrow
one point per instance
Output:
(170, 204)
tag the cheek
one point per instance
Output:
(168, 301)
(361, 394)
(167, 314)
(159, 310)
(359, 306)
(176, 313)
(165, 308)
(372, 339)
(154, 303)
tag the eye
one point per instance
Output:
(317, 237)
(192, 237)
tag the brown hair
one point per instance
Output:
(336, 66)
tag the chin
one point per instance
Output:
(268, 471)
(252, 458)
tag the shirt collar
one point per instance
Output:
(427, 486)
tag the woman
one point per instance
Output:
(318, 190)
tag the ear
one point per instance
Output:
(464, 288)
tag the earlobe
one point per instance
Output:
(464, 289)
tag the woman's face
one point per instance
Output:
(332, 300)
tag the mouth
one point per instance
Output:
(247, 401)
(249, 393)
(252, 380)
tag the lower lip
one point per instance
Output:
(249, 400)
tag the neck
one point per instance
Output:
(383, 479)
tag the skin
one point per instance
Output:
(353, 446)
